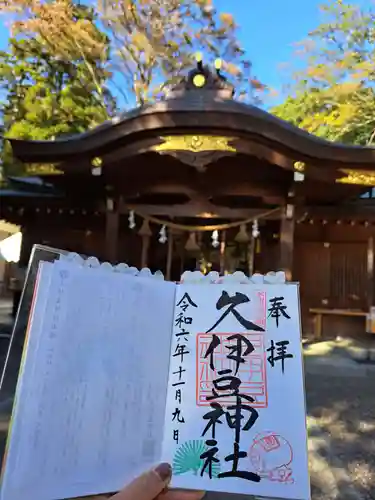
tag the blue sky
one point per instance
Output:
(268, 30)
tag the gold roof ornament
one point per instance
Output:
(38, 169)
(218, 63)
(199, 80)
(299, 166)
(199, 57)
(195, 143)
(97, 161)
(358, 177)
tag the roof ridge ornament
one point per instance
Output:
(202, 79)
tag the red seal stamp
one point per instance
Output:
(252, 371)
(271, 456)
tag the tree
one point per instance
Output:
(49, 93)
(155, 42)
(62, 66)
(333, 96)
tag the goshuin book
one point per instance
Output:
(122, 370)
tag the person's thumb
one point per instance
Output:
(147, 486)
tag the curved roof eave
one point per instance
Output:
(200, 115)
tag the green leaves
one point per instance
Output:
(48, 95)
(334, 96)
(64, 57)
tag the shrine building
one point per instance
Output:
(200, 180)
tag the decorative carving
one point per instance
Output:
(38, 169)
(202, 78)
(197, 160)
(199, 80)
(197, 151)
(359, 177)
(195, 143)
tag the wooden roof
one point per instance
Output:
(199, 146)
(204, 110)
(199, 112)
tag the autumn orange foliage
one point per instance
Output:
(152, 42)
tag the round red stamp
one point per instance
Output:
(271, 456)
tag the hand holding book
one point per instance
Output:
(153, 484)
(123, 370)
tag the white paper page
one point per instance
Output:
(273, 446)
(97, 415)
(25, 392)
(24, 397)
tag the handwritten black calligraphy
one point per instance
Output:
(240, 416)
(182, 321)
(278, 353)
(230, 303)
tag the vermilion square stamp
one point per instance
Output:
(252, 372)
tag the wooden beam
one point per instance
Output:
(206, 187)
(370, 272)
(112, 231)
(263, 152)
(353, 211)
(245, 146)
(169, 256)
(328, 173)
(287, 240)
(238, 189)
(273, 200)
(197, 210)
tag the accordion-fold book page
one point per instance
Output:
(122, 370)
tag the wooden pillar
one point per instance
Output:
(250, 255)
(169, 256)
(145, 233)
(287, 223)
(112, 226)
(145, 247)
(222, 252)
(370, 272)
(28, 239)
